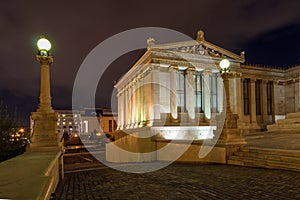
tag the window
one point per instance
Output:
(246, 94)
(110, 126)
(213, 92)
(115, 125)
(198, 92)
(258, 96)
(269, 98)
(180, 89)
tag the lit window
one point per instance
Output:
(75, 115)
(58, 124)
(70, 123)
(110, 125)
(63, 115)
(64, 123)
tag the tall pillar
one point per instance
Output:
(220, 90)
(238, 97)
(252, 102)
(206, 92)
(173, 94)
(121, 109)
(156, 92)
(265, 117)
(141, 101)
(190, 92)
(133, 103)
(45, 119)
(127, 109)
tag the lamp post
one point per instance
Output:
(230, 134)
(44, 131)
(225, 73)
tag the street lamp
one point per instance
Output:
(44, 46)
(45, 119)
(224, 70)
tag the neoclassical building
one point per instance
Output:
(179, 84)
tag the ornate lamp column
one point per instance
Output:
(230, 134)
(45, 119)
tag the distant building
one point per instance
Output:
(69, 122)
(86, 121)
(104, 116)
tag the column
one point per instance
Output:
(264, 101)
(220, 89)
(190, 92)
(127, 110)
(238, 97)
(45, 97)
(206, 94)
(252, 101)
(141, 107)
(119, 110)
(173, 94)
(156, 92)
(133, 103)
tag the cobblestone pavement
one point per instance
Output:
(181, 181)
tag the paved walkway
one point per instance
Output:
(189, 180)
(182, 181)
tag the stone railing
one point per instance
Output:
(33, 175)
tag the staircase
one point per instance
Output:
(292, 122)
(266, 158)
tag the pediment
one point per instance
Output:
(197, 47)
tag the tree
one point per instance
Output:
(13, 140)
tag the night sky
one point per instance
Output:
(267, 30)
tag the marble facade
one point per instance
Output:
(179, 85)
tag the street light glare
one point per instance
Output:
(224, 64)
(44, 44)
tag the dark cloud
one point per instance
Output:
(76, 27)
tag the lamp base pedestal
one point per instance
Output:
(44, 130)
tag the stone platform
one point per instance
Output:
(291, 122)
(277, 150)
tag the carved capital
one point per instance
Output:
(45, 60)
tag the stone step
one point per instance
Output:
(293, 115)
(278, 127)
(257, 162)
(283, 152)
(272, 157)
(288, 121)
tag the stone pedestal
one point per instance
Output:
(44, 130)
(44, 133)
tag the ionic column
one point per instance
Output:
(156, 92)
(173, 93)
(239, 103)
(252, 101)
(190, 92)
(141, 100)
(206, 93)
(220, 88)
(133, 103)
(127, 110)
(264, 101)
(119, 110)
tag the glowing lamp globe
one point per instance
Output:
(224, 64)
(43, 44)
